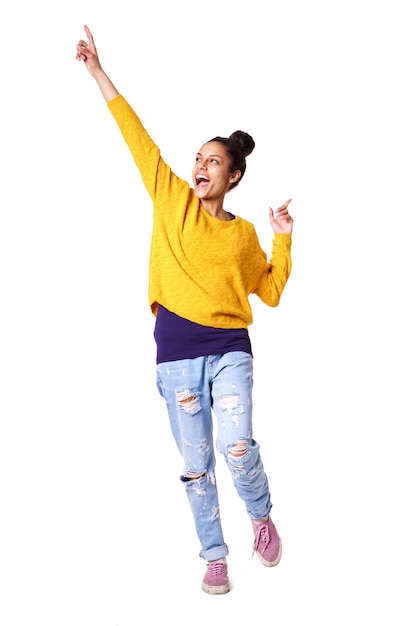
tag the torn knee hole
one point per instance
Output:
(187, 401)
(191, 475)
(239, 449)
(228, 402)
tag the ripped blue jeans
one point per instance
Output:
(196, 391)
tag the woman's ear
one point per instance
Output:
(235, 176)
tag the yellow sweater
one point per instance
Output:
(201, 268)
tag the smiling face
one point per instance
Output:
(211, 172)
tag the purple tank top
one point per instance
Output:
(177, 338)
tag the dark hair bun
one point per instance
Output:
(244, 141)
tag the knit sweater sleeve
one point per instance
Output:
(159, 180)
(273, 280)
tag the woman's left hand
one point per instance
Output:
(280, 219)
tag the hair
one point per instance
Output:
(238, 146)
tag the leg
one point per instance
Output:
(185, 387)
(232, 404)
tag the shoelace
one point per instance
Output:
(215, 569)
(262, 536)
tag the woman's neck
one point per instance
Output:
(215, 209)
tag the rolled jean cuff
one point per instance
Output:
(214, 554)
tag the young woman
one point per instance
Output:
(204, 264)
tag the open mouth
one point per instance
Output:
(201, 180)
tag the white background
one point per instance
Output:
(95, 527)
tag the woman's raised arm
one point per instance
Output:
(87, 52)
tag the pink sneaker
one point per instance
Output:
(267, 544)
(216, 580)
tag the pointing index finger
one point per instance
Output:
(283, 207)
(89, 35)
